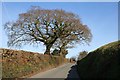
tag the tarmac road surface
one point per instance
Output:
(65, 71)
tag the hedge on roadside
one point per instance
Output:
(16, 64)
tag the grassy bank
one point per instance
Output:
(103, 63)
(16, 64)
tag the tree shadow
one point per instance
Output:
(72, 74)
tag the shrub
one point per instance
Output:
(16, 64)
(103, 63)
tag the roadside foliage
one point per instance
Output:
(16, 64)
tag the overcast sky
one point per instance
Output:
(101, 18)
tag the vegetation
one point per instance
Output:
(62, 53)
(73, 59)
(82, 55)
(56, 28)
(103, 63)
(56, 52)
(17, 64)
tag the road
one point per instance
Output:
(67, 70)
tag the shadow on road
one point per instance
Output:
(72, 74)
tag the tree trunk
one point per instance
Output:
(48, 49)
(49, 45)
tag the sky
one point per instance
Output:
(100, 17)
(59, 0)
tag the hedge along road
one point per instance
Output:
(64, 71)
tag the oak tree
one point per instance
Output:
(47, 26)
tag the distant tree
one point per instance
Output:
(82, 55)
(73, 59)
(47, 26)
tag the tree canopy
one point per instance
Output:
(51, 27)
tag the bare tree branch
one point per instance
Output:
(56, 28)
